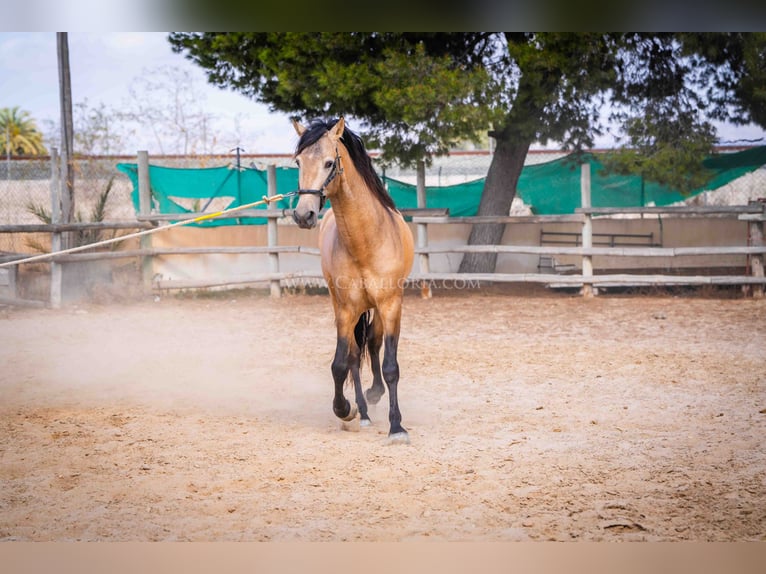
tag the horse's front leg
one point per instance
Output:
(340, 367)
(391, 321)
(396, 433)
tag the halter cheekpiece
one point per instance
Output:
(336, 170)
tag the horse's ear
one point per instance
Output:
(299, 128)
(336, 132)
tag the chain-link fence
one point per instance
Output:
(25, 184)
(25, 193)
(749, 187)
(460, 167)
(22, 183)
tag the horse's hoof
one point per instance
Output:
(352, 412)
(373, 396)
(350, 426)
(365, 423)
(398, 438)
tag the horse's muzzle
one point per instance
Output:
(305, 219)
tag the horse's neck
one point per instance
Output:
(361, 218)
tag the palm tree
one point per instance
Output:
(19, 134)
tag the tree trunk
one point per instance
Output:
(496, 198)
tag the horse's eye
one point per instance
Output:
(298, 162)
(328, 164)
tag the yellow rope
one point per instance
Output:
(42, 257)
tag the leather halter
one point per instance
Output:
(336, 170)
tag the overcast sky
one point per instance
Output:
(103, 65)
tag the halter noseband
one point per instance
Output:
(336, 170)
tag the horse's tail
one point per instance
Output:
(362, 333)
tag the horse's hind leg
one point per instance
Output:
(364, 418)
(361, 333)
(374, 343)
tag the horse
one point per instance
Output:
(366, 251)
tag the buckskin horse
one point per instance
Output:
(366, 251)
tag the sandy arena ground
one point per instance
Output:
(544, 417)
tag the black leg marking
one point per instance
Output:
(340, 366)
(359, 395)
(374, 343)
(391, 375)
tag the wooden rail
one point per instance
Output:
(716, 210)
(593, 251)
(611, 239)
(64, 227)
(580, 279)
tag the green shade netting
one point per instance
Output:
(553, 188)
(238, 187)
(461, 199)
(550, 188)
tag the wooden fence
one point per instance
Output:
(754, 214)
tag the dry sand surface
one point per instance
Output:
(543, 417)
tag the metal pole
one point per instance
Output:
(8, 150)
(239, 177)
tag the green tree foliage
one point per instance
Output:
(734, 67)
(414, 96)
(664, 133)
(19, 134)
(671, 87)
(418, 93)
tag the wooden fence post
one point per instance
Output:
(587, 232)
(425, 263)
(755, 239)
(145, 208)
(56, 268)
(272, 232)
(67, 196)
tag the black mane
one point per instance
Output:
(356, 152)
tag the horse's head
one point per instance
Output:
(317, 158)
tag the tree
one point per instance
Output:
(413, 95)
(166, 102)
(664, 134)
(735, 64)
(19, 134)
(96, 129)
(554, 92)
(419, 92)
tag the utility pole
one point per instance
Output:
(239, 175)
(8, 150)
(67, 130)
